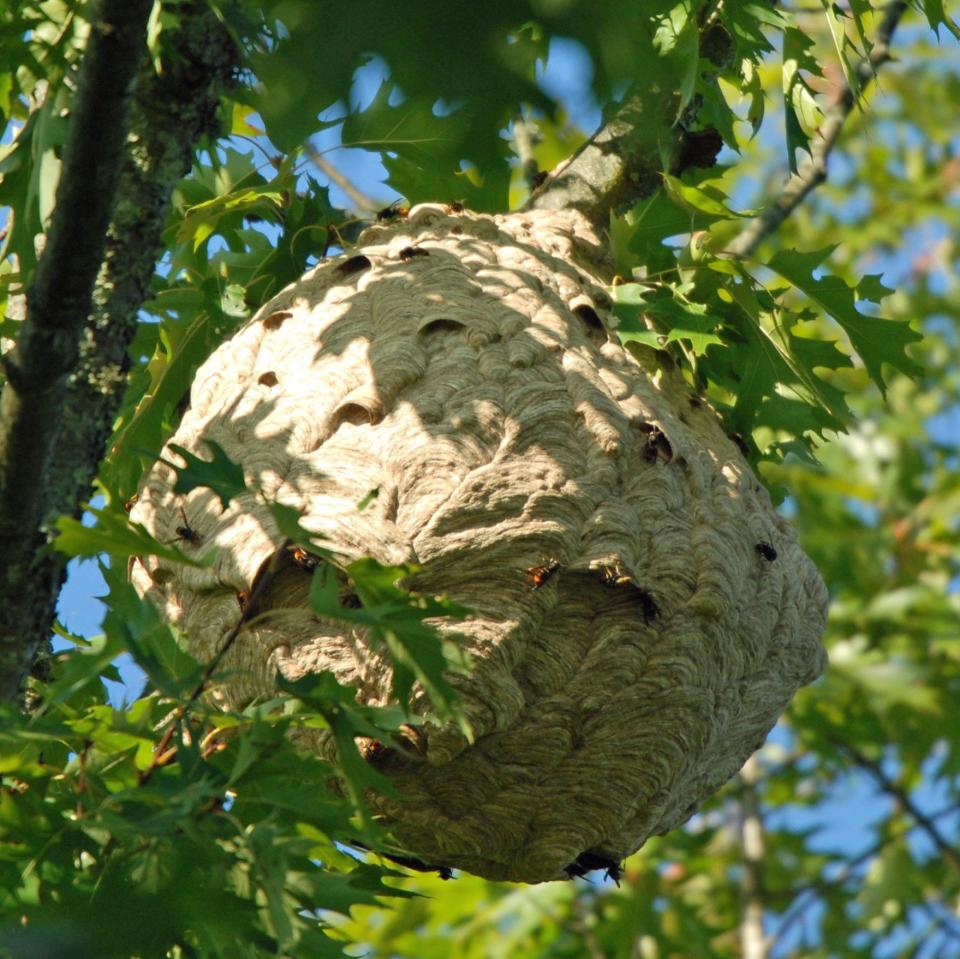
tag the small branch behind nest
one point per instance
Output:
(524, 139)
(813, 170)
(360, 199)
(163, 752)
(618, 164)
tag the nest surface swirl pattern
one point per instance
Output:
(462, 365)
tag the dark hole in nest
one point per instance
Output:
(355, 264)
(766, 551)
(355, 413)
(275, 320)
(592, 323)
(443, 323)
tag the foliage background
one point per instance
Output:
(842, 837)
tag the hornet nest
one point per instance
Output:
(640, 615)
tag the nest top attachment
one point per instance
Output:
(640, 614)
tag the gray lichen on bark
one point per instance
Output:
(621, 162)
(480, 389)
(73, 390)
(58, 301)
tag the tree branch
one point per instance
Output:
(172, 110)
(925, 822)
(258, 589)
(626, 158)
(58, 302)
(619, 163)
(752, 942)
(806, 895)
(358, 197)
(523, 140)
(813, 169)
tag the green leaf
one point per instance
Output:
(783, 357)
(753, 88)
(631, 294)
(417, 651)
(340, 892)
(219, 474)
(202, 219)
(835, 16)
(425, 152)
(270, 777)
(860, 9)
(284, 259)
(346, 720)
(677, 39)
(288, 523)
(150, 409)
(663, 215)
(80, 668)
(886, 683)
(681, 319)
(699, 199)
(485, 66)
(800, 106)
(116, 534)
(935, 14)
(29, 172)
(325, 594)
(396, 617)
(876, 340)
(154, 644)
(871, 288)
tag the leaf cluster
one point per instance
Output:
(113, 818)
(162, 826)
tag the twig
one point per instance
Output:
(950, 852)
(523, 139)
(582, 925)
(358, 197)
(813, 170)
(851, 865)
(752, 942)
(947, 921)
(804, 895)
(58, 301)
(163, 752)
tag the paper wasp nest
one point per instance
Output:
(461, 365)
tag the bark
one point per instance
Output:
(753, 846)
(625, 160)
(67, 378)
(618, 164)
(59, 299)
